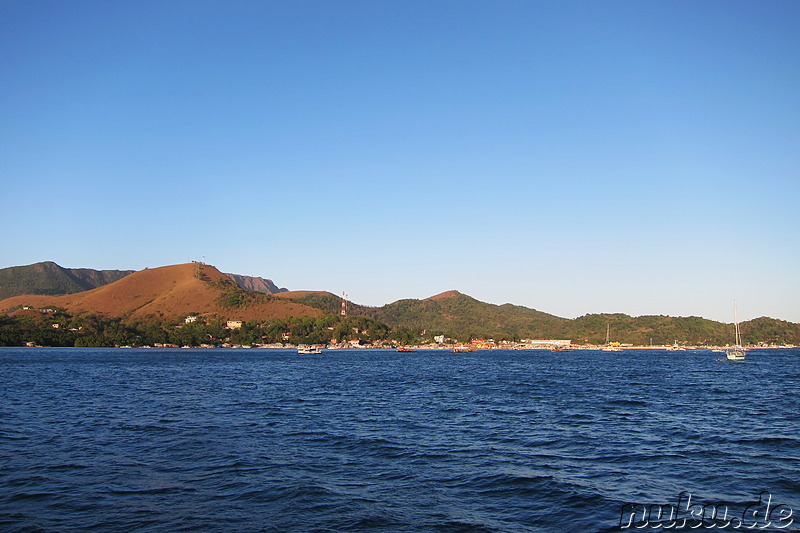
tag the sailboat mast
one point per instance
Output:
(737, 353)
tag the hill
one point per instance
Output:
(326, 301)
(464, 317)
(51, 279)
(170, 292)
(645, 330)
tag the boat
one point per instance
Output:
(306, 349)
(559, 349)
(610, 347)
(405, 349)
(738, 352)
(463, 349)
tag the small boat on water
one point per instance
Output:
(609, 346)
(463, 349)
(738, 352)
(559, 349)
(405, 349)
(309, 349)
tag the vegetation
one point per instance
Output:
(51, 279)
(321, 300)
(463, 318)
(410, 322)
(452, 315)
(645, 330)
(231, 296)
(58, 328)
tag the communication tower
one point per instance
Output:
(344, 304)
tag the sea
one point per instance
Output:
(164, 440)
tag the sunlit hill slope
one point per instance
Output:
(169, 292)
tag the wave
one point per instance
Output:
(494, 442)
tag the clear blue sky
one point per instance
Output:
(573, 157)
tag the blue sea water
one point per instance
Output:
(371, 440)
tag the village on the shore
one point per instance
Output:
(442, 343)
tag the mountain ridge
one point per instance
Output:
(49, 278)
(256, 284)
(172, 292)
(169, 292)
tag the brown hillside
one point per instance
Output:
(444, 295)
(168, 292)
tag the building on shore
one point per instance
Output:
(543, 344)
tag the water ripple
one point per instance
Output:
(260, 440)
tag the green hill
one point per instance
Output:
(51, 279)
(462, 317)
(645, 330)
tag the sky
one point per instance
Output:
(572, 157)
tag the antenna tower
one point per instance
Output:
(344, 304)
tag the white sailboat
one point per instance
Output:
(608, 347)
(738, 352)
